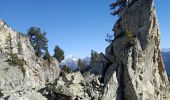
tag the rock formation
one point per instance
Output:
(137, 71)
(132, 67)
(28, 71)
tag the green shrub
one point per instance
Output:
(1, 94)
(47, 56)
(67, 69)
(81, 65)
(16, 61)
(131, 38)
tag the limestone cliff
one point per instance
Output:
(137, 71)
(32, 73)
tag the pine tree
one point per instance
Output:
(58, 53)
(13, 57)
(9, 45)
(66, 69)
(47, 55)
(118, 7)
(38, 40)
(94, 56)
(19, 44)
(80, 64)
(109, 38)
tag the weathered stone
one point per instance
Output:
(100, 66)
(26, 96)
(136, 57)
(35, 71)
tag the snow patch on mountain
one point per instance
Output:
(72, 61)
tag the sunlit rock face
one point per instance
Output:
(131, 69)
(35, 71)
(137, 71)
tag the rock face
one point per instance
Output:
(74, 86)
(137, 71)
(99, 66)
(131, 69)
(34, 72)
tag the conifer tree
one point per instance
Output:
(94, 56)
(118, 7)
(80, 64)
(58, 53)
(38, 40)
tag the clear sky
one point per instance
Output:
(77, 26)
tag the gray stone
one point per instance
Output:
(33, 74)
(137, 72)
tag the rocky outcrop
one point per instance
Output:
(74, 86)
(26, 96)
(99, 67)
(28, 71)
(133, 68)
(137, 71)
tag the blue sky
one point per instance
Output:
(77, 26)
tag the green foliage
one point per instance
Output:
(131, 38)
(47, 55)
(14, 60)
(38, 40)
(109, 38)
(9, 46)
(19, 44)
(118, 7)
(80, 64)
(67, 69)
(94, 56)
(58, 53)
(1, 94)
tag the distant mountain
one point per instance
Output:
(166, 50)
(166, 59)
(71, 61)
(86, 60)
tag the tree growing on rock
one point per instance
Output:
(38, 40)
(13, 57)
(81, 64)
(94, 56)
(58, 53)
(1, 94)
(118, 7)
(9, 45)
(109, 38)
(66, 69)
(20, 50)
(47, 55)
